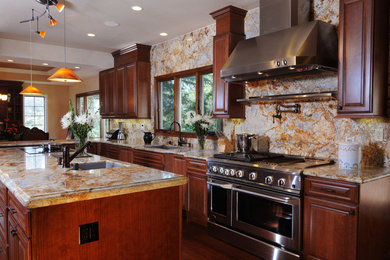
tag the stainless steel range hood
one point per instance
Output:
(310, 46)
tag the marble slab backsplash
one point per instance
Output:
(314, 132)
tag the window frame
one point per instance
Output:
(85, 107)
(44, 108)
(198, 73)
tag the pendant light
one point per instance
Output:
(64, 74)
(31, 90)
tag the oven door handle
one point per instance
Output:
(274, 198)
(223, 186)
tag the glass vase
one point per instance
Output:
(80, 142)
(201, 140)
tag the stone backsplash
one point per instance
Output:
(314, 132)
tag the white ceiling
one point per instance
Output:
(175, 17)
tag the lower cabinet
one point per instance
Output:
(197, 191)
(330, 230)
(149, 159)
(19, 244)
(178, 164)
(125, 154)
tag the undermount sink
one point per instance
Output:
(167, 147)
(95, 165)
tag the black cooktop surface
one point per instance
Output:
(260, 157)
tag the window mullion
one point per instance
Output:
(176, 101)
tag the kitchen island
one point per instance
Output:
(50, 212)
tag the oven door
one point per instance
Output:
(267, 215)
(219, 201)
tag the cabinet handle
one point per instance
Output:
(328, 190)
(351, 212)
(13, 232)
(13, 211)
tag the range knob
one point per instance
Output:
(284, 62)
(227, 172)
(269, 179)
(281, 182)
(240, 173)
(214, 169)
(232, 172)
(277, 63)
(252, 176)
(221, 170)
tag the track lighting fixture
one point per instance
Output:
(52, 21)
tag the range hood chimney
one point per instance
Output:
(288, 44)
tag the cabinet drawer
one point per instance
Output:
(3, 192)
(19, 213)
(149, 159)
(335, 190)
(198, 166)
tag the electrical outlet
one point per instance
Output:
(142, 127)
(378, 135)
(89, 233)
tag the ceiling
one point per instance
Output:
(174, 17)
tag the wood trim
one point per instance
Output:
(89, 93)
(184, 73)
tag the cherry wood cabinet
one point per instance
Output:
(125, 154)
(230, 30)
(125, 89)
(149, 159)
(19, 244)
(345, 220)
(363, 53)
(197, 191)
(178, 164)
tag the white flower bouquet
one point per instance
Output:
(200, 124)
(79, 124)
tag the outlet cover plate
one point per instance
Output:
(378, 134)
(89, 232)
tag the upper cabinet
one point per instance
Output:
(363, 54)
(125, 89)
(230, 23)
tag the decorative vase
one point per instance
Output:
(201, 140)
(80, 142)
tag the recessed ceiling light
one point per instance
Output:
(111, 23)
(260, 73)
(45, 64)
(136, 8)
(77, 67)
(11, 60)
(163, 34)
(91, 35)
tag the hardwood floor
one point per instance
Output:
(198, 245)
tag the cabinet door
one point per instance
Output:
(102, 92)
(329, 230)
(362, 66)
(179, 167)
(19, 244)
(126, 154)
(119, 88)
(220, 90)
(130, 91)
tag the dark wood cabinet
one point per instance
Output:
(330, 230)
(230, 30)
(363, 53)
(126, 154)
(19, 244)
(125, 89)
(197, 191)
(345, 220)
(149, 159)
(178, 164)
(13, 108)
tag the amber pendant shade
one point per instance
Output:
(31, 90)
(60, 7)
(53, 22)
(64, 75)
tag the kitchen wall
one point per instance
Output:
(314, 132)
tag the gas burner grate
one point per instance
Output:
(259, 157)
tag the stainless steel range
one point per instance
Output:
(255, 201)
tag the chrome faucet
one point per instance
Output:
(180, 142)
(67, 158)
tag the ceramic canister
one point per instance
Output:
(350, 156)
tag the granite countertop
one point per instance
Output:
(37, 181)
(356, 176)
(187, 152)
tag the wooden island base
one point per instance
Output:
(143, 225)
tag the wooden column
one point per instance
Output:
(230, 30)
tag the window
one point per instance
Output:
(89, 101)
(35, 112)
(182, 92)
